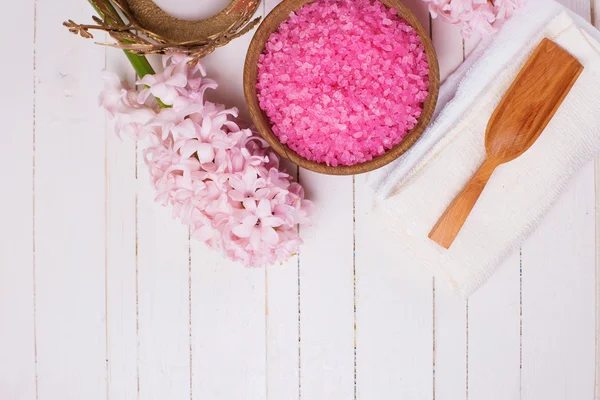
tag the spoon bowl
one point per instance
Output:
(523, 113)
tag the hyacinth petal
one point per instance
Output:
(237, 196)
(249, 204)
(255, 239)
(264, 208)
(206, 127)
(147, 80)
(245, 229)
(203, 233)
(218, 178)
(188, 148)
(269, 235)
(185, 128)
(205, 152)
(111, 80)
(179, 80)
(271, 221)
(143, 95)
(237, 183)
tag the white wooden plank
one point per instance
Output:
(450, 343)
(228, 300)
(121, 259)
(283, 348)
(559, 298)
(450, 311)
(394, 314)
(17, 358)
(163, 298)
(228, 328)
(558, 306)
(283, 325)
(493, 343)
(69, 209)
(327, 290)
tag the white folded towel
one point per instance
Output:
(414, 191)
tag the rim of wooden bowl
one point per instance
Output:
(271, 24)
(152, 17)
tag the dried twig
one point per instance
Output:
(119, 22)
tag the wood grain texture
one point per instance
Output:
(528, 105)
(69, 210)
(17, 344)
(269, 25)
(121, 257)
(452, 220)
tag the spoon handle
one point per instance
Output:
(450, 223)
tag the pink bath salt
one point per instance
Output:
(343, 81)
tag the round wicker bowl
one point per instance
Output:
(263, 125)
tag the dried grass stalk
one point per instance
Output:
(118, 18)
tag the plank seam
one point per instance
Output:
(106, 251)
(190, 308)
(266, 331)
(434, 333)
(467, 349)
(35, 346)
(137, 271)
(433, 278)
(264, 14)
(594, 21)
(520, 322)
(464, 56)
(299, 317)
(354, 272)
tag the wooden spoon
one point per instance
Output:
(517, 122)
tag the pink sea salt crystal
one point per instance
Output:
(343, 81)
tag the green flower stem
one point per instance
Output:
(140, 63)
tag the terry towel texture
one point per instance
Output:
(415, 190)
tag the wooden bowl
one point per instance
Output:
(263, 125)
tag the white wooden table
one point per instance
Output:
(104, 296)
